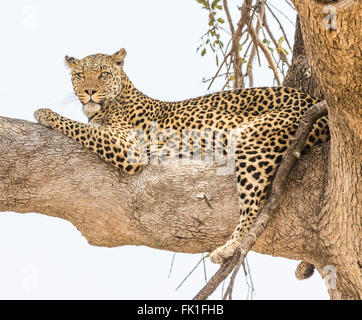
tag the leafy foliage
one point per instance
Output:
(240, 45)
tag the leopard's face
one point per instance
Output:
(96, 78)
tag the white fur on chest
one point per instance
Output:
(91, 108)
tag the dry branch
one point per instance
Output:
(247, 32)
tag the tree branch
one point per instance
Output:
(43, 171)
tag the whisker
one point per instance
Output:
(68, 100)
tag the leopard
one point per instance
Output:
(122, 121)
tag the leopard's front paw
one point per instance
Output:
(224, 252)
(44, 116)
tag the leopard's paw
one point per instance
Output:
(43, 116)
(224, 252)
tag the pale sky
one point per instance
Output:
(47, 258)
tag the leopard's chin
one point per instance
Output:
(90, 108)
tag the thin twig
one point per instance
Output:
(251, 289)
(222, 289)
(173, 259)
(280, 26)
(229, 290)
(281, 54)
(210, 79)
(265, 51)
(254, 38)
(270, 61)
(203, 262)
(282, 13)
(220, 275)
(245, 15)
(228, 16)
(218, 70)
(289, 4)
(189, 274)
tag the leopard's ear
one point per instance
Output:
(119, 56)
(71, 62)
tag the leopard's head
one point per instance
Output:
(96, 78)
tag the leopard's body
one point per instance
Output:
(265, 119)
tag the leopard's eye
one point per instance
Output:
(80, 75)
(104, 74)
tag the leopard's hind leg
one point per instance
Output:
(257, 156)
(258, 153)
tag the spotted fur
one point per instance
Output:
(267, 118)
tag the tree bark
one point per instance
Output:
(164, 207)
(300, 75)
(332, 37)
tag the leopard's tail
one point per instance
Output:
(304, 270)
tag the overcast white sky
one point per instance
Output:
(47, 258)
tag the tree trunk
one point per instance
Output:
(332, 37)
(300, 75)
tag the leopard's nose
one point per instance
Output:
(90, 91)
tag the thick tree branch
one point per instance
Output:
(44, 171)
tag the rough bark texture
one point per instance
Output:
(300, 75)
(332, 37)
(163, 207)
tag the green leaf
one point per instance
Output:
(280, 41)
(267, 42)
(214, 4)
(217, 61)
(221, 20)
(279, 46)
(204, 3)
(284, 51)
(203, 52)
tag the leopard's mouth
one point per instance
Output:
(95, 101)
(97, 98)
(100, 102)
